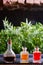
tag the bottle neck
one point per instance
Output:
(9, 46)
(36, 49)
(25, 49)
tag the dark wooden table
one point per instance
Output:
(24, 64)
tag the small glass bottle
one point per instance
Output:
(24, 55)
(9, 55)
(36, 56)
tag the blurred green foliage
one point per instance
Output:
(26, 34)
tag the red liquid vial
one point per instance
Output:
(36, 56)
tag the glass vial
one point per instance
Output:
(24, 55)
(36, 56)
(9, 55)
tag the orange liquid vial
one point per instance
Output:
(36, 56)
(24, 56)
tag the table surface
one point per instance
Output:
(24, 64)
(18, 59)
